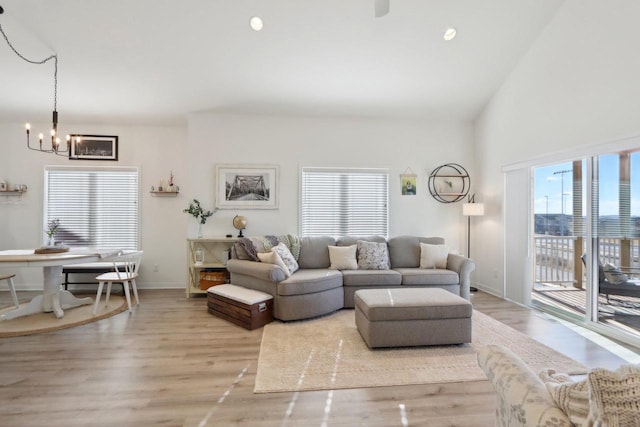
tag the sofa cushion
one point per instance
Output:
(371, 278)
(314, 251)
(343, 257)
(310, 281)
(350, 240)
(372, 255)
(433, 256)
(272, 257)
(614, 275)
(404, 251)
(434, 276)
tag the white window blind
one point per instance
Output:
(340, 202)
(97, 207)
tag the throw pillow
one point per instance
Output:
(343, 257)
(614, 397)
(433, 256)
(572, 397)
(287, 257)
(273, 258)
(372, 255)
(614, 275)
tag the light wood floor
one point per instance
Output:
(170, 363)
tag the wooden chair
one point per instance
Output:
(125, 271)
(12, 288)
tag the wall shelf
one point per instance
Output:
(164, 193)
(449, 183)
(12, 193)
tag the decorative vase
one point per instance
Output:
(51, 241)
(199, 232)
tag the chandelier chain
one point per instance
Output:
(55, 61)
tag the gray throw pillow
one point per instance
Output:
(372, 255)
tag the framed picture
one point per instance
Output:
(93, 147)
(247, 186)
(408, 184)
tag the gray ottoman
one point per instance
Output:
(412, 317)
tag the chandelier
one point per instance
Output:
(55, 140)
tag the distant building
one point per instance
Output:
(563, 225)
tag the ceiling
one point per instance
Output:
(155, 61)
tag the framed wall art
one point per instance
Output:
(409, 187)
(246, 186)
(93, 147)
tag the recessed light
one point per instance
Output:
(256, 23)
(449, 34)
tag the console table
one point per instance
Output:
(215, 251)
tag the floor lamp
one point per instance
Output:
(469, 209)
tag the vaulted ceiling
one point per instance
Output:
(155, 61)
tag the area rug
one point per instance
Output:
(47, 322)
(329, 353)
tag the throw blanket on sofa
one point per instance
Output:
(251, 246)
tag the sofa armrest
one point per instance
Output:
(523, 399)
(463, 266)
(259, 270)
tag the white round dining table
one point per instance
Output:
(53, 299)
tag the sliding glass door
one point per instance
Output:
(559, 237)
(586, 219)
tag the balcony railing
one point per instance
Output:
(555, 256)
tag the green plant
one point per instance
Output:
(197, 212)
(52, 227)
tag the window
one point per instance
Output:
(97, 207)
(340, 202)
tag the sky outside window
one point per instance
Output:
(548, 188)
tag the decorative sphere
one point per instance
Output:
(239, 222)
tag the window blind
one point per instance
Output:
(97, 207)
(340, 202)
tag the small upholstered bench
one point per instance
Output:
(412, 317)
(248, 308)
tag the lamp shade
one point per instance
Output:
(473, 209)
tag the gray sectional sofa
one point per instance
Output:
(315, 289)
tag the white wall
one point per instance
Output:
(209, 139)
(293, 142)
(577, 85)
(156, 150)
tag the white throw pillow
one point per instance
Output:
(287, 257)
(343, 257)
(433, 256)
(272, 257)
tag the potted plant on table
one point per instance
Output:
(199, 214)
(52, 229)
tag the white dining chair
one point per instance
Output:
(12, 288)
(125, 271)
